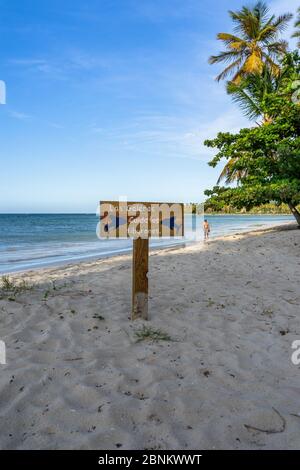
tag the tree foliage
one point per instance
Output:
(266, 157)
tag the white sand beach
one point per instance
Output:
(78, 378)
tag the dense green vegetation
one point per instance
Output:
(269, 208)
(263, 161)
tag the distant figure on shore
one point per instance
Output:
(206, 229)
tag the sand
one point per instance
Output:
(77, 378)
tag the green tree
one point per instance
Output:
(255, 43)
(251, 95)
(268, 156)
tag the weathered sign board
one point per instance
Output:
(141, 221)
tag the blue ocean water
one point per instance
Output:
(29, 241)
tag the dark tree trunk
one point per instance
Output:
(295, 212)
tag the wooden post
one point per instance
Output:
(140, 279)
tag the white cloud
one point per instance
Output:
(170, 136)
(20, 116)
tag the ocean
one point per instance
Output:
(29, 241)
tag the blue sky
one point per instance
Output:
(108, 98)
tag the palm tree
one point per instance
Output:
(229, 174)
(255, 43)
(250, 93)
(297, 25)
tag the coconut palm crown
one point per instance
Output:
(256, 42)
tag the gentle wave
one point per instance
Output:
(36, 240)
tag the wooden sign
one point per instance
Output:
(140, 221)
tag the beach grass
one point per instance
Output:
(8, 286)
(149, 333)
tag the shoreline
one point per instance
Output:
(87, 259)
(127, 251)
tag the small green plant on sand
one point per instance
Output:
(46, 295)
(149, 333)
(8, 285)
(23, 286)
(54, 286)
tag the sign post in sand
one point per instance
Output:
(141, 221)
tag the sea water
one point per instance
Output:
(29, 241)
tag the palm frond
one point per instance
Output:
(228, 37)
(268, 33)
(231, 41)
(261, 10)
(278, 47)
(231, 68)
(272, 66)
(250, 93)
(224, 56)
(249, 105)
(297, 22)
(281, 23)
(229, 173)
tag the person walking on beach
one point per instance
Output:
(206, 229)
